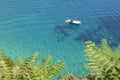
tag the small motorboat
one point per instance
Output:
(70, 21)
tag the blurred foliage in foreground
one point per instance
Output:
(104, 63)
(29, 69)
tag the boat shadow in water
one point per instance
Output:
(61, 32)
(108, 28)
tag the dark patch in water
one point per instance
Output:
(64, 31)
(112, 24)
(89, 35)
(108, 28)
(59, 29)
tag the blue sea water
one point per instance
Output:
(27, 26)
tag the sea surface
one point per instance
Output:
(27, 26)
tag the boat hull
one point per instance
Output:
(69, 21)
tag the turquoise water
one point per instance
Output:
(27, 26)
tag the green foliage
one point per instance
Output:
(6, 65)
(103, 62)
(29, 69)
(69, 77)
(48, 69)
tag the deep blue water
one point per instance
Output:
(27, 26)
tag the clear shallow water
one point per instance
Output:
(27, 26)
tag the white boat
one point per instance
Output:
(70, 21)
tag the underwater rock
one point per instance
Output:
(108, 28)
(61, 32)
(64, 31)
(89, 35)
